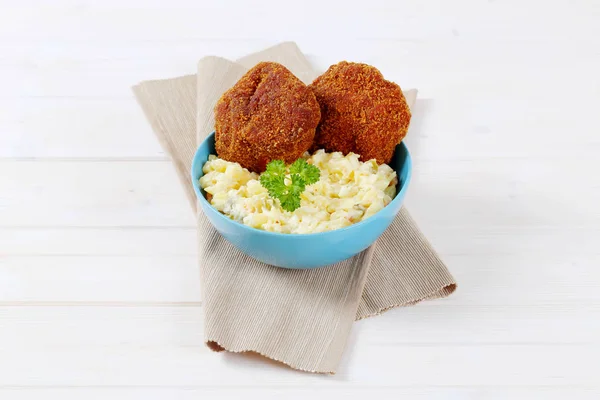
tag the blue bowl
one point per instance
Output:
(302, 251)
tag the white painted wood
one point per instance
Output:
(114, 241)
(76, 279)
(76, 129)
(303, 392)
(477, 242)
(92, 194)
(148, 193)
(485, 280)
(178, 324)
(99, 285)
(112, 128)
(137, 365)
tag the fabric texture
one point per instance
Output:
(301, 318)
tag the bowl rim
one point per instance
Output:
(205, 202)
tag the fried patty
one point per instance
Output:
(361, 112)
(269, 114)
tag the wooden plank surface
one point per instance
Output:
(99, 285)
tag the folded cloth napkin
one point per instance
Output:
(301, 318)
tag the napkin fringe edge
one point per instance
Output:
(445, 291)
(218, 347)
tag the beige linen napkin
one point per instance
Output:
(299, 317)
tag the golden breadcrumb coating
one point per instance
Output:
(269, 114)
(361, 112)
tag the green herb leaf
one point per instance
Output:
(276, 167)
(275, 184)
(301, 175)
(309, 173)
(273, 179)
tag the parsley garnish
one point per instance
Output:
(301, 175)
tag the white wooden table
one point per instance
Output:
(99, 291)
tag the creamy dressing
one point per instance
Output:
(348, 192)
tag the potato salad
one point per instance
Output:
(347, 192)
